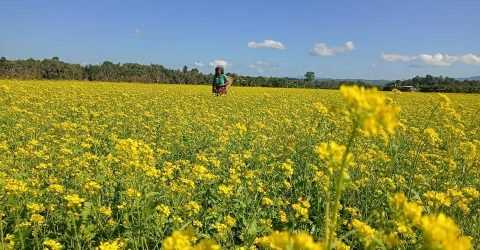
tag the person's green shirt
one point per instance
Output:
(220, 80)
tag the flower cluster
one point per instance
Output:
(375, 113)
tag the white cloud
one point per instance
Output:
(438, 59)
(266, 44)
(349, 46)
(397, 58)
(322, 49)
(470, 59)
(219, 62)
(198, 64)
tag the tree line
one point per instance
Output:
(431, 83)
(55, 69)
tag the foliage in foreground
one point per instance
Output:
(108, 166)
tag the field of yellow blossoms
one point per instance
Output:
(134, 166)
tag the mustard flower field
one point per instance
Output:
(134, 166)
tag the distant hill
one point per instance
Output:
(472, 78)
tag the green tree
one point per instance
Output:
(310, 76)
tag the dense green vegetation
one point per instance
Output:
(55, 69)
(437, 84)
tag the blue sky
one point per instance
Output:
(377, 39)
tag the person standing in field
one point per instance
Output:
(220, 82)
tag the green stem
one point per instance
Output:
(331, 227)
(327, 215)
(2, 237)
